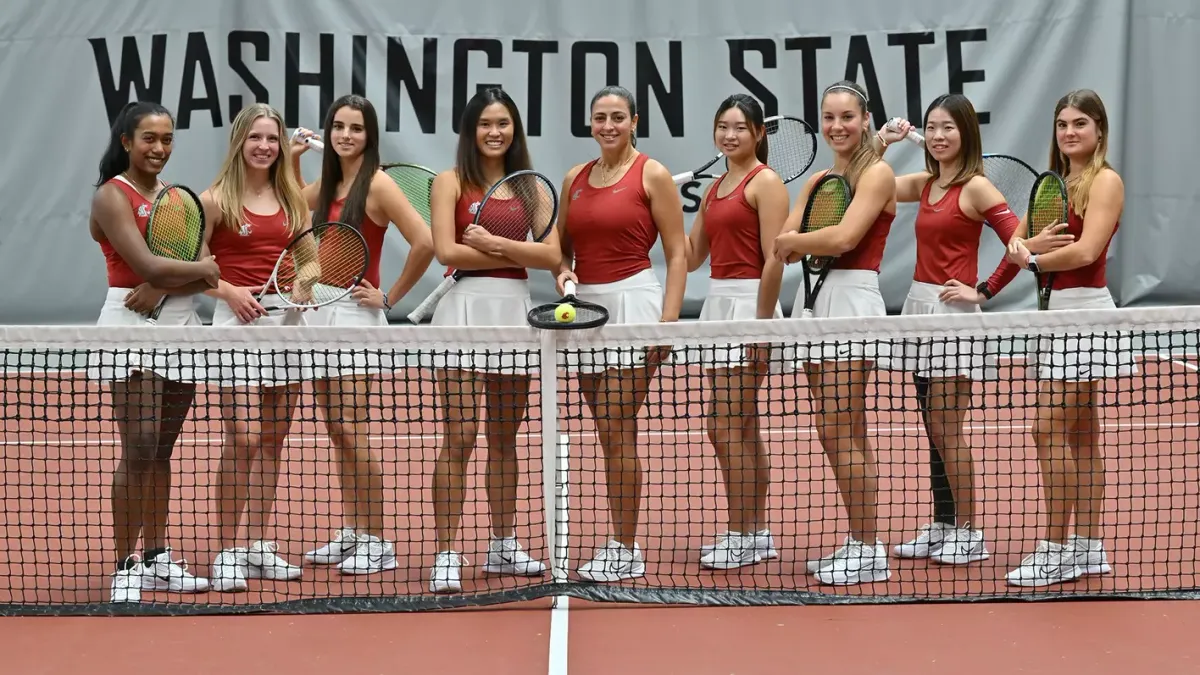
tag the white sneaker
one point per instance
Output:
(1049, 564)
(857, 564)
(961, 546)
(926, 544)
(127, 583)
(229, 570)
(764, 542)
(732, 551)
(814, 566)
(1090, 555)
(614, 562)
(164, 574)
(505, 556)
(372, 555)
(345, 542)
(446, 575)
(263, 563)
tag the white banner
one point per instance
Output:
(67, 67)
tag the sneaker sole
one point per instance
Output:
(283, 573)
(388, 564)
(871, 577)
(1039, 583)
(609, 577)
(513, 570)
(961, 560)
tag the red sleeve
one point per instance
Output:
(1005, 223)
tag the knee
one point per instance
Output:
(458, 440)
(1043, 436)
(720, 431)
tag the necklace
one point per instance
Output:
(140, 188)
(606, 172)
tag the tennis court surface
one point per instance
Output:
(60, 448)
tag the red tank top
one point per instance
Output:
(372, 232)
(611, 228)
(947, 240)
(868, 254)
(247, 252)
(1088, 276)
(464, 214)
(120, 275)
(732, 228)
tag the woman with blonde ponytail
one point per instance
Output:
(838, 374)
(1071, 368)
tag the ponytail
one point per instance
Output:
(115, 160)
(761, 152)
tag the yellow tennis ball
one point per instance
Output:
(565, 313)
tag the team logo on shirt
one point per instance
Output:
(245, 229)
(575, 194)
(143, 211)
(473, 208)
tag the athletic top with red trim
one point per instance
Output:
(464, 214)
(372, 232)
(611, 228)
(247, 252)
(948, 241)
(1088, 276)
(120, 274)
(732, 228)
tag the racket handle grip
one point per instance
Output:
(681, 178)
(569, 288)
(422, 310)
(916, 138)
(313, 143)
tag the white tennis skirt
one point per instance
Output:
(485, 302)
(634, 299)
(122, 362)
(846, 293)
(972, 358)
(248, 367)
(734, 300)
(360, 361)
(1083, 357)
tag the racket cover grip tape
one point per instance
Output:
(422, 310)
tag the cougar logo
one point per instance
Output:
(575, 194)
(143, 211)
(473, 208)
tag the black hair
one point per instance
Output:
(467, 165)
(754, 115)
(355, 207)
(116, 159)
(623, 94)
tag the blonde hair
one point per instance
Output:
(1079, 188)
(230, 183)
(865, 155)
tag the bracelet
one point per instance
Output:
(882, 141)
(387, 306)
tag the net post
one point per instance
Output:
(548, 377)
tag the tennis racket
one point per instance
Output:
(1047, 206)
(550, 317)
(522, 206)
(416, 182)
(314, 143)
(791, 149)
(175, 230)
(318, 267)
(826, 205)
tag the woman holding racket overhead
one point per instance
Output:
(741, 214)
(837, 374)
(495, 292)
(1072, 368)
(352, 189)
(254, 208)
(956, 199)
(151, 395)
(614, 209)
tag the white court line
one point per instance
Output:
(1172, 358)
(216, 439)
(559, 630)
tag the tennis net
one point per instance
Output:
(536, 489)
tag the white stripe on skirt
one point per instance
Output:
(173, 364)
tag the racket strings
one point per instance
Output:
(584, 314)
(321, 266)
(520, 208)
(1013, 179)
(417, 185)
(791, 149)
(176, 226)
(1048, 206)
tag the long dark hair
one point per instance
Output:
(754, 117)
(467, 166)
(355, 207)
(115, 159)
(970, 151)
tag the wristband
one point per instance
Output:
(983, 290)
